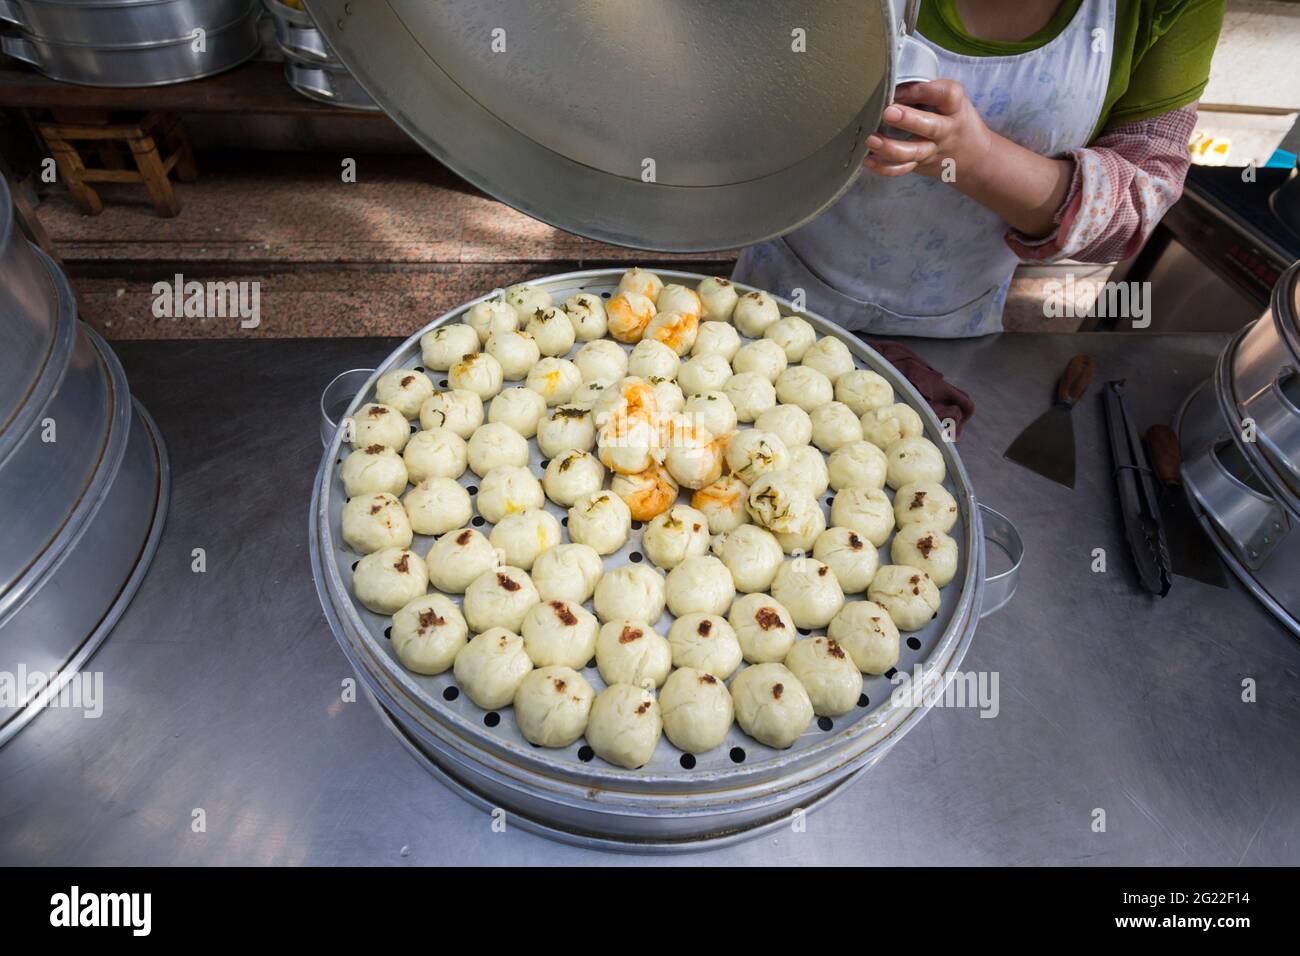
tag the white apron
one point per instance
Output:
(911, 255)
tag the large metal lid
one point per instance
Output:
(677, 125)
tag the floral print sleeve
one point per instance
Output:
(1123, 184)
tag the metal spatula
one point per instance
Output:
(1047, 446)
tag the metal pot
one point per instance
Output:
(1254, 535)
(722, 125)
(114, 23)
(172, 60)
(36, 347)
(737, 789)
(65, 600)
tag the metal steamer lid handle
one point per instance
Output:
(914, 61)
(1001, 587)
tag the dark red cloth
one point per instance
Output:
(947, 400)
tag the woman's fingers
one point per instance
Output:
(887, 169)
(928, 125)
(898, 150)
(946, 96)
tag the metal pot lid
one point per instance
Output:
(675, 126)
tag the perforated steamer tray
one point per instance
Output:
(670, 801)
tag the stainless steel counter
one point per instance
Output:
(223, 689)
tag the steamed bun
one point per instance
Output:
(428, 633)
(809, 590)
(828, 674)
(763, 627)
(705, 642)
(907, 593)
(457, 558)
(552, 705)
(567, 572)
(560, 632)
(771, 704)
(490, 668)
(499, 598)
(374, 468)
(632, 652)
(624, 726)
(697, 710)
(867, 632)
(632, 591)
(388, 580)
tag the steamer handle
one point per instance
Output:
(338, 394)
(9, 13)
(1000, 588)
(316, 80)
(20, 49)
(298, 41)
(1278, 407)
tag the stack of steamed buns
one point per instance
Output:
(703, 418)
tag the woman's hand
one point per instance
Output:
(952, 137)
(953, 144)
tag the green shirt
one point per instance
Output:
(1160, 58)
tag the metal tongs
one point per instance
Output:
(1139, 497)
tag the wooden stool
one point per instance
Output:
(143, 136)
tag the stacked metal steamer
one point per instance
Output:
(130, 42)
(310, 66)
(1240, 438)
(738, 789)
(83, 481)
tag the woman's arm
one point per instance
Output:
(1098, 204)
(1123, 185)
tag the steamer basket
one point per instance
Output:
(152, 64)
(734, 789)
(112, 23)
(66, 600)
